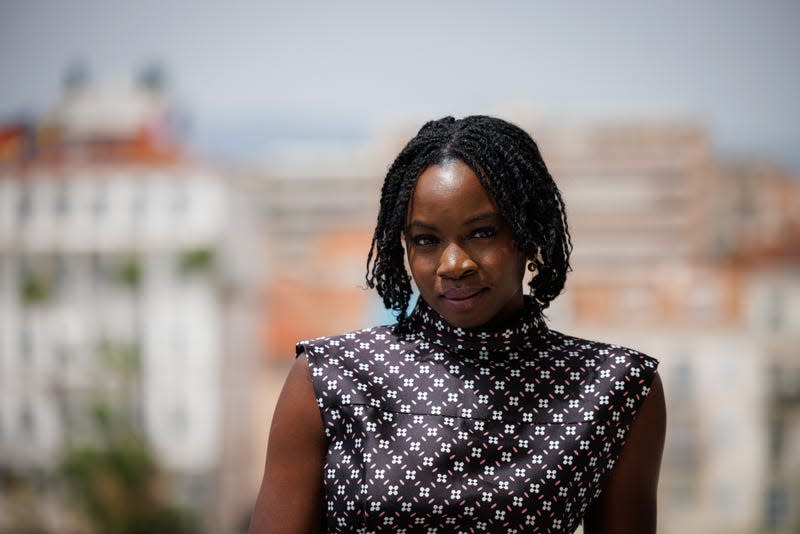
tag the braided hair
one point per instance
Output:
(509, 166)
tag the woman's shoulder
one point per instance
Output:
(611, 376)
(597, 353)
(348, 342)
(349, 368)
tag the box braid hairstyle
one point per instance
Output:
(509, 166)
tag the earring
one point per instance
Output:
(532, 267)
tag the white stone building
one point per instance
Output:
(112, 254)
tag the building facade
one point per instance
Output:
(129, 275)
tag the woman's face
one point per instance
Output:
(460, 250)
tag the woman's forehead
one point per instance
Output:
(450, 188)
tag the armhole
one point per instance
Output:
(619, 431)
(301, 347)
(631, 403)
(648, 367)
(314, 355)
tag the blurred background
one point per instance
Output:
(188, 188)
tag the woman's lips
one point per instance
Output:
(463, 298)
(461, 293)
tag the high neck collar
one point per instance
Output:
(523, 331)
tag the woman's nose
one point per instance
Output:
(455, 263)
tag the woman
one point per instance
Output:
(468, 415)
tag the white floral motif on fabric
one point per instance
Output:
(444, 429)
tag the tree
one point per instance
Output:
(114, 476)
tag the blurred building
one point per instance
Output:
(697, 263)
(321, 201)
(117, 247)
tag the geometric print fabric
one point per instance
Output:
(440, 429)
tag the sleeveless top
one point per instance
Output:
(444, 429)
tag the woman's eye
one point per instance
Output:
(484, 232)
(424, 240)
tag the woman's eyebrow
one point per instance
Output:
(420, 224)
(481, 217)
(489, 215)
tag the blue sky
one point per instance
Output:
(247, 71)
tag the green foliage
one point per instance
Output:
(130, 273)
(199, 260)
(116, 481)
(120, 358)
(114, 478)
(35, 289)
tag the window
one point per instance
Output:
(27, 423)
(25, 344)
(138, 203)
(63, 273)
(100, 202)
(180, 420)
(774, 312)
(24, 203)
(61, 204)
(179, 198)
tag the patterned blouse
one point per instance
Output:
(477, 430)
